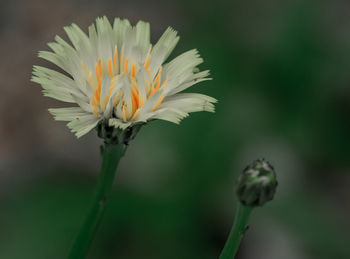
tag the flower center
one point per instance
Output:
(104, 79)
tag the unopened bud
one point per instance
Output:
(257, 184)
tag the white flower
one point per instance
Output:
(117, 76)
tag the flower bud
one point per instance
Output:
(257, 184)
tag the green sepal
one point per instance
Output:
(112, 135)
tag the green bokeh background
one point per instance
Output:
(281, 77)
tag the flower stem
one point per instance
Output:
(111, 155)
(237, 232)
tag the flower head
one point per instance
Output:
(116, 76)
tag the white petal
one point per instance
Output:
(143, 36)
(162, 49)
(67, 114)
(156, 61)
(53, 58)
(79, 39)
(105, 44)
(169, 114)
(120, 28)
(130, 47)
(189, 102)
(56, 85)
(191, 80)
(84, 103)
(106, 82)
(182, 67)
(83, 124)
(168, 40)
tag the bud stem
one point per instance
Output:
(237, 232)
(111, 155)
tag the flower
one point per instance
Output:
(116, 76)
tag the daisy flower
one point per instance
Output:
(114, 75)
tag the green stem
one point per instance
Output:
(111, 155)
(237, 232)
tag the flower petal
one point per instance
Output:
(83, 124)
(67, 114)
(189, 102)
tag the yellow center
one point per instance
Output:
(114, 67)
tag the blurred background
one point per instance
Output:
(281, 75)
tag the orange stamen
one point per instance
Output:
(97, 75)
(121, 59)
(135, 114)
(98, 90)
(93, 102)
(90, 77)
(158, 103)
(124, 112)
(126, 65)
(135, 98)
(140, 101)
(110, 67)
(133, 71)
(83, 65)
(148, 57)
(146, 64)
(115, 56)
(158, 78)
(94, 112)
(165, 82)
(148, 87)
(156, 82)
(97, 95)
(100, 66)
(115, 103)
